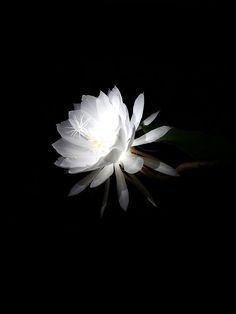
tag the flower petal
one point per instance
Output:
(151, 136)
(121, 140)
(151, 118)
(66, 130)
(88, 105)
(102, 176)
(138, 111)
(121, 110)
(67, 149)
(131, 162)
(166, 169)
(123, 193)
(82, 184)
(81, 121)
(85, 160)
(160, 166)
(103, 103)
(103, 161)
(115, 96)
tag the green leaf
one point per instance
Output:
(199, 145)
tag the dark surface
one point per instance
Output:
(181, 57)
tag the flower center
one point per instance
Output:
(102, 134)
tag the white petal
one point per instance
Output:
(121, 140)
(151, 118)
(103, 161)
(160, 166)
(115, 97)
(81, 121)
(84, 169)
(105, 196)
(102, 176)
(84, 161)
(151, 136)
(123, 193)
(131, 162)
(82, 184)
(89, 105)
(138, 110)
(67, 149)
(166, 169)
(120, 108)
(103, 103)
(66, 130)
(113, 156)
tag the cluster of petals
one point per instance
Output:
(99, 138)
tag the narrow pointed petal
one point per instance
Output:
(151, 118)
(82, 184)
(138, 110)
(131, 163)
(138, 184)
(151, 136)
(160, 166)
(102, 176)
(166, 169)
(123, 193)
(105, 196)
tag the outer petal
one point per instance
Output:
(88, 105)
(151, 136)
(151, 118)
(138, 111)
(123, 193)
(81, 121)
(103, 103)
(85, 160)
(115, 97)
(166, 169)
(132, 163)
(102, 176)
(67, 149)
(160, 166)
(66, 130)
(112, 157)
(82, 184)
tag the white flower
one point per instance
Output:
(99, 137)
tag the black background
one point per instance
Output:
(181, 56)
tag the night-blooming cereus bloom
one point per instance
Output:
(99, 137)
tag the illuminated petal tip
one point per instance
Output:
(152, 201)
(138, 111)
(151, 136)
(151, 118)
(124, 199)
